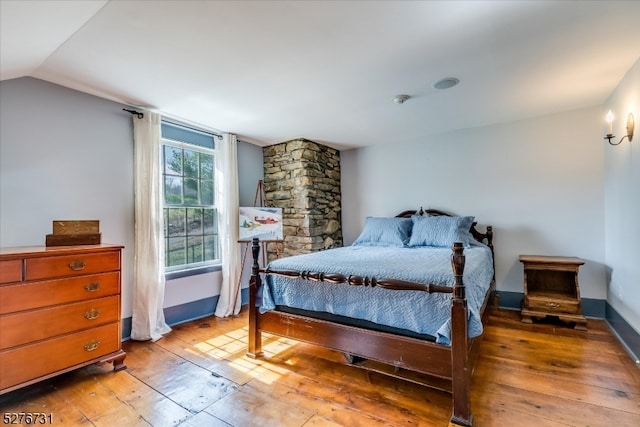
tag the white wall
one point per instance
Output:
(622, 201)
(250, 171)
(68, 155)
(539, 182)
(65, 155)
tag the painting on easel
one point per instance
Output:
(261, 222)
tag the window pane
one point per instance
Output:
(172, 190)
(176, 226)
(191, 191)
(191, 163)
(172, 160)
(194, 221)
(194, 249)
(176, 132)
(165, 225)
(206, 190)
(210, 247)
(206, 166)
(177, 251)
(166, 252)
(208, 223)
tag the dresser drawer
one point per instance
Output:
(11, 271)
(52, 292)
(71, 265)
(36, 325)
(29, 362)
(552, 304)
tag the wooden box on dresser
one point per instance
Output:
(59, 311)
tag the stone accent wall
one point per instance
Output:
(303, 178)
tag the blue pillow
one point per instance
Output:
(385, 232)
(441, 231)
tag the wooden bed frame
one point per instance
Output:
(443, 367)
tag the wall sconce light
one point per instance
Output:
(630, 126)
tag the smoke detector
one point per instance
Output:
(399, 99)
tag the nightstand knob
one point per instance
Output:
(553, 305)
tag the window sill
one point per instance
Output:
(192, 272)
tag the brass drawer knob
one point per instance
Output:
(92, 314)
(77, 265)
(553, 305)
(92, 345)
(92, 287)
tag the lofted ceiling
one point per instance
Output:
(271, 71)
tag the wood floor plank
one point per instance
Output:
(212, 355)
(569, 345)
(551, 362)
(152, 406)
(318, 421)
(333, 406)
(557, 386)
(557, 409)
(189, 385)
(202, 419)
(325, 374)
(243, 408)
(92, 398)
(348, 417)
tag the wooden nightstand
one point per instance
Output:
(551, 289)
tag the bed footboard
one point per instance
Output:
(449, 363)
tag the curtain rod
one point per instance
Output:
(137, 113)
(141, 115)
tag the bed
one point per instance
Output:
(407, 299)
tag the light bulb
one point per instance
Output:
(610, 121)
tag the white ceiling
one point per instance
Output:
(271, 71)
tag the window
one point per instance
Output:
(190, 215)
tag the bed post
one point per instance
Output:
(255, 338)
(461, 375)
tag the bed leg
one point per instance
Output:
(461, 374)
(255, 337)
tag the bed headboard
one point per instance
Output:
(486, 237)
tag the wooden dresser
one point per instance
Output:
(59, 311)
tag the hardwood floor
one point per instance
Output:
(198, 375)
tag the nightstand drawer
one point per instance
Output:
(71, 265)
(552, 304)
(52, 292)
(33, 361)
(59, 320)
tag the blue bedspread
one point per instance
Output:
(415, 311)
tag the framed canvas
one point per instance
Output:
(261, 222)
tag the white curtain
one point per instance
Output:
(148, 283)
(228, 220)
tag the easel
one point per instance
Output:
(258, 200)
